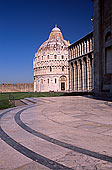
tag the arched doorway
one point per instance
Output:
(63, 83)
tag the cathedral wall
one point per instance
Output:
(81, 65)
(102, 28)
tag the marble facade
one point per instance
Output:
(81, 64)
(51, 64)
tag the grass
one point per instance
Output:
(4, 97)
(4, 104)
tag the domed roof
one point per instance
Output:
(55, 40)
(56, 29)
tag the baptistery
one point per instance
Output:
(50, 64)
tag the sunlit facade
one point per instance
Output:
(51, 64)
(81, 65)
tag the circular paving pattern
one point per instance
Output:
(57, 133)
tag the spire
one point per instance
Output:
(55, 25)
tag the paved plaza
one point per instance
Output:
(72, 132)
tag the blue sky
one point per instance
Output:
(26, 24)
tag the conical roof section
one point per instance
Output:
(55, 40)
(56, 34)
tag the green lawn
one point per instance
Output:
(4, 97)
(4, 104)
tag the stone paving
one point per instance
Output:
(71, 132)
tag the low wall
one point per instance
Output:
(18, 87)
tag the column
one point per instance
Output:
(80, 75)
(87, 46)
(90, 44)
(88, 73)
(73, 77)
(83, 75)
(69, 54)
(76, 77)
(79, 49)
(73, 52)
(79, 78)
(76, 51)
(82, 49)
(70, 76)
(91, 73)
